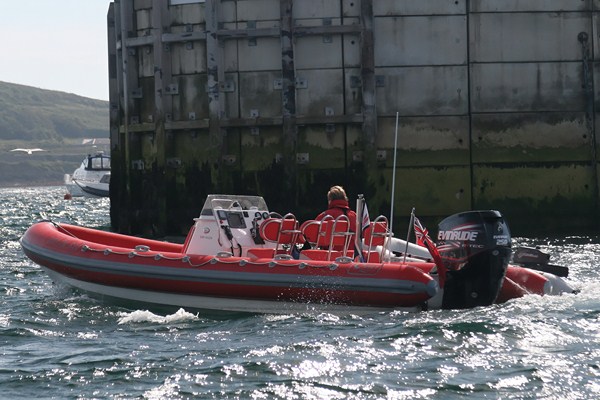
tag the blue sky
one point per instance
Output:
(55, 44)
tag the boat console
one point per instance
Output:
(228, 224)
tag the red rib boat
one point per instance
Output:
(240, 257)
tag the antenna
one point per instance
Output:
(394, 176)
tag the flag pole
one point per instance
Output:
(394, 176)
(359, 231)
(410, 224)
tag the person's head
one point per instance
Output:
(336, 193)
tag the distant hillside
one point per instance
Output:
(28, 113)
(55, 121)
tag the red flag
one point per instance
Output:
(366, 221)
(423, 239)
(420, 232)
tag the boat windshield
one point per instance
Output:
(98, 163)
(236, 202)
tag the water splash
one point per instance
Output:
(142, 316)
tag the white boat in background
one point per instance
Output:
(92, 178)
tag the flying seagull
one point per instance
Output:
(28, 151)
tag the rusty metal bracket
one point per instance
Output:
(172, 88)
(229, 159)
(302, 158)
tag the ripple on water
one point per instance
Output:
(59, 343)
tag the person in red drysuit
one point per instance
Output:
(338, 205)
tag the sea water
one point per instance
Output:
(61, 343)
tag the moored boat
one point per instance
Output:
(91, 179)
(240, 257)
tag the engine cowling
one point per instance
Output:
(475, 247)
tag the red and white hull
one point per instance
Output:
(238, 257)
(156, 272)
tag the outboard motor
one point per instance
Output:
(475, 248)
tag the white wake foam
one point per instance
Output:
(140, 316)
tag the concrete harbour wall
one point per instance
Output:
(284, 98)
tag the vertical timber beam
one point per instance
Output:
(369, 106)
(469, 106)
(588, 86)
(214, 103)
(592, 110)
(162, 74)
(124, 77)
(113, 97)
(288, 98)
(113, 76)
